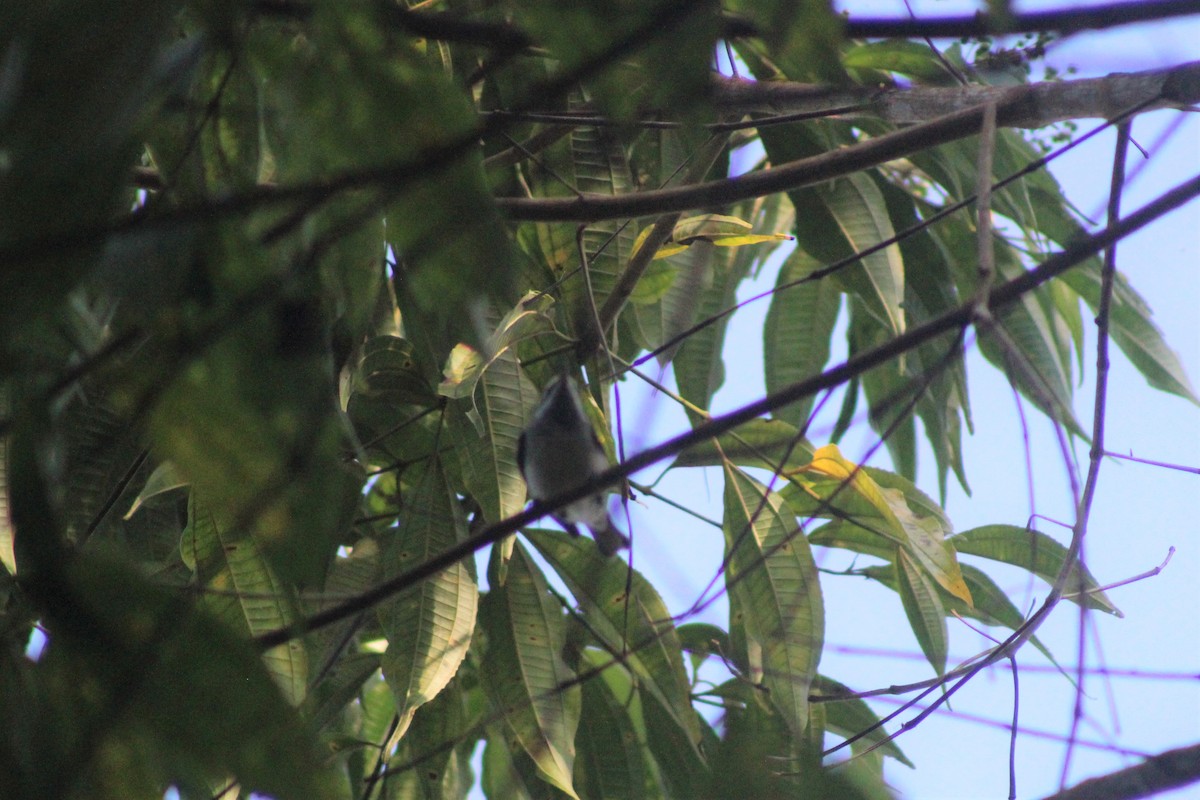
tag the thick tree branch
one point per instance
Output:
(1067, 20)
(1034, 105)
(1010, 107)
(946, 114)
(1168, 770)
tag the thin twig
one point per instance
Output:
(1096, 455)
(1163, 464)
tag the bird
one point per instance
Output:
(559, 451)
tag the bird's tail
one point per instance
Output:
(608, 539)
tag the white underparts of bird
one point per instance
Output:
(559, 451)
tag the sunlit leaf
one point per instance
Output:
(922, 536)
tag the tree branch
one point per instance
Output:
(1180, 86)
(1168, 770)
(1034, 105)
(1068, 20)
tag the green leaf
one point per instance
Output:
(389, 371)
(637, 625)
(888, 389)
(1036, 552)
(611, 753)
(243, 590)
(906, 58)
(484, 432)
(924, 610)
(1031, 325)
(797, 332)
(600, 167)
(774, 593)
(878, 279)
(702, 639)
(429, 626)
(929, 291)
(440, 772)
(699, 368)
(250, 425)
(71, 133)
(233, 721)
(684, 770)
(852, 716)
(1134, 331)
(885, 511)
(524, 673)
(853, 537)
(164, 479)
(757, 443)
(675, 312)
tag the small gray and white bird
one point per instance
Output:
(559, 451)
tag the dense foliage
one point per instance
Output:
(281, 281)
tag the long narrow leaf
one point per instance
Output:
(429, 626)
(524, 672)
(775, 592)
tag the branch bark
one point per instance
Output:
(1177, 87)
(1067, 20)
(1031, 106)
(1168, 770)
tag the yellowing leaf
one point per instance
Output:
(839, 483)
(708, 226)
(751, 238)
(717, 229)
(461, 372)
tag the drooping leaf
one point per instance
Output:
(797, 332)
(774, 593)
(483, 430)
(877, 279)
(637, 625)
(429, 626)
(1036, 552)
(1134, 331)
(242, 589)
(524, 672)
(884, 511)
(852, 716)
(757, 443)
(611, 753)
(924, 609)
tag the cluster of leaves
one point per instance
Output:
(299, 367)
